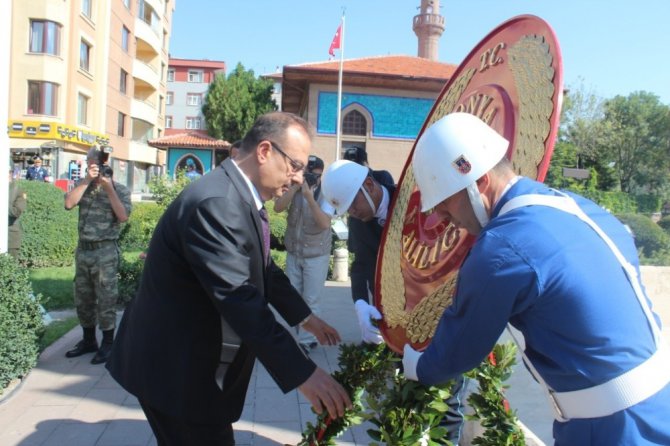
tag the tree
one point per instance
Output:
(234, 103)
(636, 132)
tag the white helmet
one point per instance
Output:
(341, 182)
(453, 154)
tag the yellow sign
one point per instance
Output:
(54, 130)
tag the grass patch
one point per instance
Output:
(56, 330)
(55, 285)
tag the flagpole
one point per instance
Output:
(339, 94)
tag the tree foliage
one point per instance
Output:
(637, 137)
(233, 103)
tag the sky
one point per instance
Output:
(608, 47)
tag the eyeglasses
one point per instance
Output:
(296, 166)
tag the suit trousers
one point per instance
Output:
(308, 276)
(170, 431)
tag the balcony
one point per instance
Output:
(144, 110)
(146, 73)
(142, 152)
(144, 32)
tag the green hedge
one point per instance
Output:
(615, 202)
(21, 323)
(130, 273)
(664, 223)
(650, 239)
(49, 231)
(137, 231)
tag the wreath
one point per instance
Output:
(407, 413)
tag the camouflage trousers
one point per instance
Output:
(96, 285)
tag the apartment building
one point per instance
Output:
(187, 84)
(86, 72)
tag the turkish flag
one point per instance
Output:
(335, 44)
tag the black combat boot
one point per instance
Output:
(105, 347)
(86, 345)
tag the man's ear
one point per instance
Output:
(263, 150)
(484, 182)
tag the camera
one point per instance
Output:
(311, 178)
(101, 157)
(313, 162)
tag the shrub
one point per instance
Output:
(164, 190)
(648, 203)
(615, 202)
(279, 258)
(49, 231)
(130, 273)
(649, 237)
(277, 228)
(664, 223)
(20, 322)
(137, 232)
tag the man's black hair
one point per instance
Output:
(357, 155)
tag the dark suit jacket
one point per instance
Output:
(363, 242)
(204, 275)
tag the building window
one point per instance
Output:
(169, 98)
(82, 109)
(123, 81)
(168, 122)
(160, 105)
(121, 124)
(126, 3)
(170, 75)
(125, 38)
(87, 7)
(195, 75)
(193, 99)
(193, 123)
(354, 123)
(85, 56)
(44, 37)
(42, 98)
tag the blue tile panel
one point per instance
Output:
(176, 154)
(392, 116)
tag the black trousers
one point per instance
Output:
(170, 431)
(454, 417)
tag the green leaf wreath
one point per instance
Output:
(406, 413)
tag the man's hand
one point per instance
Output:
(324, 392)
(410, 359)
(366, 313)
(92, 172)
(307, 191)
(325, 334)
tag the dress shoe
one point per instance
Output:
(82, 348)
(103, 354)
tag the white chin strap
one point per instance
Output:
(370, 202)
(477, 204)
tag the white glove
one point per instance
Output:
(410, 359)
(365, 313)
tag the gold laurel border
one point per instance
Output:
(392, 284)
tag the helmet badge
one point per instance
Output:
(462, 165)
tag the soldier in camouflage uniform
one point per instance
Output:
(103, 205)
(17, 204)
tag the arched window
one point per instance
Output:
(354, 123)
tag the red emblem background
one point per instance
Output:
(512, 80)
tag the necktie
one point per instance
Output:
(266, 233)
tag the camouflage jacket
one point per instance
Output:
(96, 217)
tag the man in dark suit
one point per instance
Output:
(187, 343)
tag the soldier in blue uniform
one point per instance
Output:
(561, 270)
(103, 205)
(36, 172)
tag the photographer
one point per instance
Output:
(103, 205)
(307, 240)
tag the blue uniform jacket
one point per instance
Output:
(554, 279)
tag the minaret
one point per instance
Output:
(428, 27)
